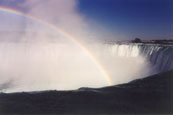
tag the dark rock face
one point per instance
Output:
(149, 95)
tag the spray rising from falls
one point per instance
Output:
(35, 56)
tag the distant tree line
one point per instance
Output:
(137, 40)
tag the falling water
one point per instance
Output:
(129, 61)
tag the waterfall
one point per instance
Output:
(159, 56)
(129, 61)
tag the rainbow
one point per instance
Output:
(107, 77)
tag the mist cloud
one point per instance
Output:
(40, 58)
